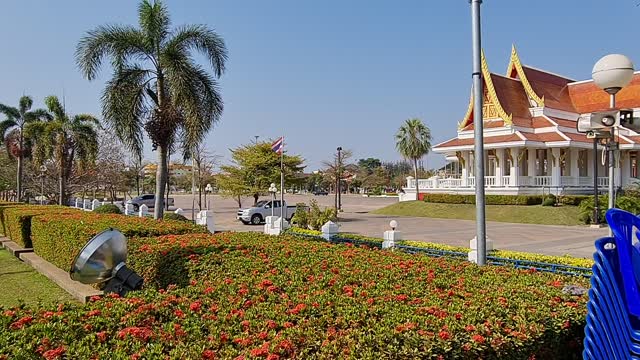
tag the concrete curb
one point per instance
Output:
(15, 249)
(78, 290)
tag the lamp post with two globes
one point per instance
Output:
(611, 73)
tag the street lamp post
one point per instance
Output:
(43, 169)
(611, 73)
(207, 189)
(338, 178)
(273, 190)
(481, 226)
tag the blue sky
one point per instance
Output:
(326, 73)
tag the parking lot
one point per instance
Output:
(547, 239)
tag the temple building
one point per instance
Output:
(530, 139)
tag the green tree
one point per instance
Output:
(369, 164)
(65, 140)
(156, 84)
(413, 141)
(254, 168)
(12, 131)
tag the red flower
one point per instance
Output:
(272, 324)
(208, 290)
(263, 335)
(261, 351)
(208, 355)
(444, 335)
(178, 313)
(470, 328)
(195, 306)
(228, 281)
(273, 357)
(93, 313)
(288, 324)
(478, 338)
(9, 313)
(22, 322)
(54, 353)
(102, 336)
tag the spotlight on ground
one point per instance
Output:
(103, 260)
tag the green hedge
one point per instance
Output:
(58, 237)
(3, 206)
(16, 220)
(489, 199)
(246, 295)
(627, 203)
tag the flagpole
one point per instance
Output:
(282, 185)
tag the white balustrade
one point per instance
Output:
(585, 181)
(603, 181)
(542, 181)
(568, 180)
(489, 181)
(506, 181)
(471, 181)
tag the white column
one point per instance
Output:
(465, 169)
(499, 166)
(590, 170)
(515, 166)
(531, 162)
(555, 167)
(573, 165)
(617, 170)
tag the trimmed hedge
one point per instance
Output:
(5, 205)
(248, 296)
(489, 199)
(58, 237)
(108, 209)
(16, 220)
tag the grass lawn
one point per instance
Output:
(535, 214)
(20, 282)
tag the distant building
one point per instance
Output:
(531, 145)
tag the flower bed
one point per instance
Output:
(57, 238)
(251, 296)
(506, 254)
(16, 220)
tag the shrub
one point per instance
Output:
(16, 220)
(249, 296)
(58, 237)
(489, 199)
(174, 216)
(549, 200)
(572, 200)
(627, 203)
(301, 216)
(107, 209)
(318, 216)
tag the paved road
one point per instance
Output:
(547, 239)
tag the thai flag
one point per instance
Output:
(278, 145)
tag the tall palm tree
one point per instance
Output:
(65, 140)
(12, 131)
(156, 84)
(413, 141)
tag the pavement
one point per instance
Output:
(545, 239)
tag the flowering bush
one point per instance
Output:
(248, 296)
(16, 220)
(58, 237)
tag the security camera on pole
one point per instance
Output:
(611, 74)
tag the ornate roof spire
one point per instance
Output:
(515, 68)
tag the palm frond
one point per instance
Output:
(87, 119)
(195, 92)
(55, 107)
(124, 106)
(10, 112)
(25, 104)
(5, 126)
(154, 21)
(37, 115)
(203, 40)
(413, 139)
(123, 44)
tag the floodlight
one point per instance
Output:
(393, 224)
(612, 72)
(103, 259)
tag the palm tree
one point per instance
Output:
(12, 131)
(65, 140)
(413, 141)
(156, 85)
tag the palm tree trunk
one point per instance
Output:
(415, 172)
(19, 177)
(158, 210)
(61, 187)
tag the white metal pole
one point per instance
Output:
(611, 149)
(478, 132)
(282, 185)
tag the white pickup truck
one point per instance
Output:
(146, 199)
(257, 214)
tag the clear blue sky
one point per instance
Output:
(326, 73)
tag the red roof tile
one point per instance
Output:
(550, 86)
(541, 122)
(544, 137)
(578, 137)
(564, 122)
(587, 97)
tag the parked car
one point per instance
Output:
(146, 199)
(257, 214)
(320, 192)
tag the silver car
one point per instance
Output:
(146, 199)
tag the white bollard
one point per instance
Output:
(205, 218)
(269, 225)
(391, 236)
(94, 204)
(87, 205)
(143, 211)
(77, 203)
(279, 226)
(330, 229)
(473, 245)
(179, 211)
(128, 209)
